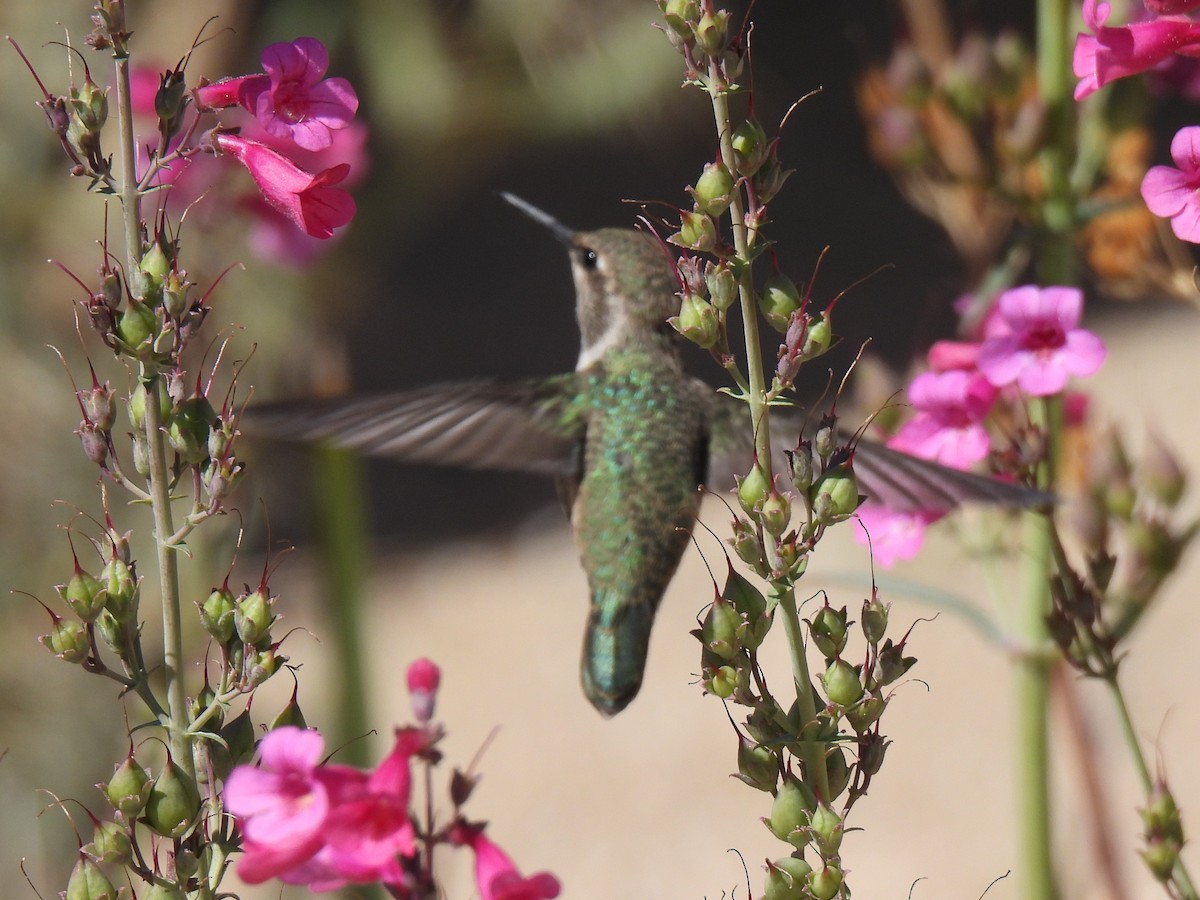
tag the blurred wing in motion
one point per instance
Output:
(527, 426)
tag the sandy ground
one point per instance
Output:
(641, 806)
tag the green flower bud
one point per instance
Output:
(110, 844)
(189, 427)
(173, 802)
(747, 546)
(838, 771)
(714, 189)
(769, 179)
(722, 682)
(826, 829)
(68, 640)
(779, 300)
(866, 713)
(829, 631)
(155, 265)
(749, 147)
(776, 513)
(758, 766)
(842, 683)
(137, 404)
(260, 666)
(818, 336)
(697, 231)
(752, 607)
(137, 325)
(786, 879)
(721, 628)
(252, 616)
(1161, 815)
(874, 619)
(697, 321)
(111, 632)
(83, 594)
(140, 450)
(91, 105)
(174, 295)
(753, 490)
(825, 883)
(129, 788)
(121, 590)
(712, 32)
(679, 16)
(217, 614)
(835, 495)
(164, 892)
(88, 882)
(794, 802)
(1160, 856)
(722, 286)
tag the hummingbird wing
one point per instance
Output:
(891, 478)
(529, 426)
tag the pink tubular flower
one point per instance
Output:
(1174, 193)
(947, 427)
(497, 877)
(1042, 348)
(293, 100)
(891, 535)
(423, 680)
(308, 200)
(1115, 52)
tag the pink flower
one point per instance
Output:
(307, 200)
(293, 100)
(891, 535)
(497, 877)
(1115, 52)
(1171, 7)
(423, 680)
(1173, 193)
(1042, 348)
(282, 804)
(946, 355)
(947, 427)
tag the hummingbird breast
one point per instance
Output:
(644, 459)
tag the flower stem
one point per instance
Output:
(160, 476)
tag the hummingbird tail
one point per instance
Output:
(614, 650)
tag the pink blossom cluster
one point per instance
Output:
(304, 820)
(1165, 34)
(1031, 344)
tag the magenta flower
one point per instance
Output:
(293, 100)
(891, 535)
(281, 804)
(945, 356)
(309, 201)
(1174, 193)
(1171, 7)
(423, 680)
(1042, 348)
(1117, 51)
(947, 427)
(497, 877)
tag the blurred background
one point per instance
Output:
(575, 106)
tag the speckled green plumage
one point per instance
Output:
(637, 500)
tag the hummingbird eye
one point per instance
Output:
(590, 259)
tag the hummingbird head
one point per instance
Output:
(624, 283)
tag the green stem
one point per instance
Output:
(160, 476)
(814, 757)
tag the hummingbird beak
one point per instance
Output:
(557, 228)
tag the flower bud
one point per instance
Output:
(892, 663)
(794, 802)
(1161, 815)
(261, 665)
(137, 404)
(780, 298)
(720, 632)
(189, 427)
(424, 678)
(697, 321)
(758, 766)
(121, 589)
(252, 616)
(712, 32)
(722, 286)
(800, 465)
(769, 179)
(843, 685)
(751, 606)
(164, 892)
(866, 713)
(828, 629)
(714, 189)
(140, 451)
(838, 771)
(111, 632)
(129, 788)
(818, 335)
(174, 295)
(786, 879)
(776, 513)
(173, 801)
(154, 266)
(747, 546)
(679, 16)
(83, 594)
(835, 494)
(94, 442)
(98, 406)
(68, 640)
(110, 844)
(90, 103)
(825, 883)
(749, 147)
(752, 491)
(826, 829)
(217, 613)
(88, 882)
(697, 231)
(874, 619)
(136, 325)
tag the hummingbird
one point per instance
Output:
(629, 437)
